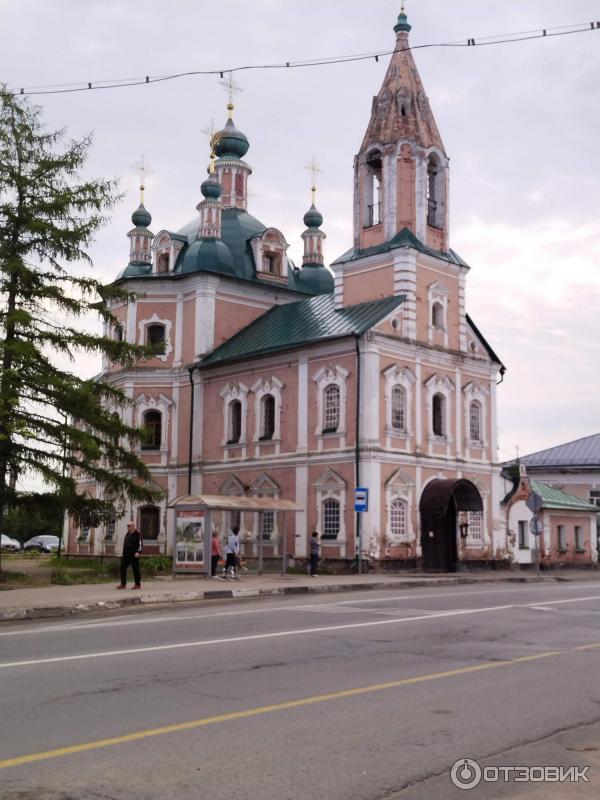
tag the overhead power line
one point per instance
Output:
(121, 83)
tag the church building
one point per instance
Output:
(304, 382)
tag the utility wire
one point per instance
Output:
(120, 83)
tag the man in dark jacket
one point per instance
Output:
(132, 547)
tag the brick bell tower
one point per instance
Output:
(401, 170)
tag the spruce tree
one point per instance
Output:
(55, 424)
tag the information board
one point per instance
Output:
(189, 541)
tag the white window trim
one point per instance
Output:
(473, 391)
(330, 486)
(163, 244)
(399, 376)
(153, 403)
(437, 293)
(261, 388)
(439, 384)
(270, 242)
(485, 541)
(264, 486)
(326, 376)
(234, 391)
(399, 487)
(156, 320)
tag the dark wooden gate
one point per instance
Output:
(440, 503)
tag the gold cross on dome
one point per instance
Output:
(143, 169)
(232, 88)
(314, 170)
(213, 139)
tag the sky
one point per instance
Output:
(520, 122)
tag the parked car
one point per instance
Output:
(43, 544)
(12, 545)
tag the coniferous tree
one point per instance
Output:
(53, 422)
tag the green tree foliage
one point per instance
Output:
(54, 424)
(37, 514)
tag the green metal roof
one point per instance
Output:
(556, 498)
(237, 228)
(297, 324)
(404, 238)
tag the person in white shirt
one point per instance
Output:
(232, 553)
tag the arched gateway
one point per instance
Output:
(440, 505)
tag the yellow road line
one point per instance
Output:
(255, 712)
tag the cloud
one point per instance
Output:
(535, 288)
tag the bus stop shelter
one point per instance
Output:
(193, 527)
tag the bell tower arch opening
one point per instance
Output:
(373, 184)
(441, 503)
(436, 200)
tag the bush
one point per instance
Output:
(151, 565)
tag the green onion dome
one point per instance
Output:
(211, 188)
(141, 217)
(402, 24)
(231, 143)
(210, 255)
(313, 217)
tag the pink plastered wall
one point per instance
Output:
(214, 407)
(569, 521)
(371, 285)
(406, 190)
(232, 317)
(347, 360)
(426, 277)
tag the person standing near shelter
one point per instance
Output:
(132, 548)
(315, 552)
(215, 554)
(232, 552)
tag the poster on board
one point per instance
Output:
(189, 541)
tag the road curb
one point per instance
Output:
(72, 609)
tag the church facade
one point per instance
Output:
(303, 383)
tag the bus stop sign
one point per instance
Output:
(361, 498)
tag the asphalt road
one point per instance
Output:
(352, 697)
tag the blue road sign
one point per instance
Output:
(361, 498)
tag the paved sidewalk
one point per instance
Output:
(59, 601)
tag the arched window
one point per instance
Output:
(118, 332)
(475, 529)
(110, 527)
(155, 335)
(162, 264)
(266, 524)
(331, 519)
(149, 522)
(397, 517)
(239, 184)
(331, 408)
(439, 415)
(373, 204)
(475, 421)
(437, 316)
(235, 422)
(398, 408)
(152, 425)
(268, 417)
(432, 191)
